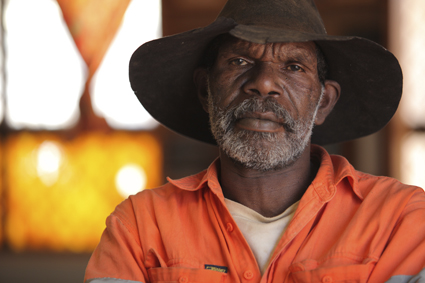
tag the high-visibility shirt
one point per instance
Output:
(348, 227)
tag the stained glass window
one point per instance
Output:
(61, 182)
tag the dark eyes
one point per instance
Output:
(239, 62)
(242, 62)
(294, 68)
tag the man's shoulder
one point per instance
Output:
(368, 185)
(384, 189)
(168, 196)
(174, 187)
(368, 181)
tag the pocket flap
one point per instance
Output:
(349, 273)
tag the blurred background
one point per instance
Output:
(75, 142)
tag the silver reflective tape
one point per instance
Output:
(110, 280)
(399, 279)
(420, 278)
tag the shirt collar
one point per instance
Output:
(195, 182)
(333, 170)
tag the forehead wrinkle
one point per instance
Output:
(278, 51)
(267, 51)
(256, 51)
(295, 52)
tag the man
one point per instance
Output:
(273, 207)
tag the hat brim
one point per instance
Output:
(161, 75)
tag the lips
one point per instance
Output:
(260, 122)
(270, 116)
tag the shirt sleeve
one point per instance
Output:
(404, 255)
(119, 257)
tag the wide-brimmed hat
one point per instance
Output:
(161, 71)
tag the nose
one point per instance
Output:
(263, 81)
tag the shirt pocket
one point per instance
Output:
(184, 275)
(355, 273)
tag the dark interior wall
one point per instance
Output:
(366, 18)
(182, 15)
(42, 267)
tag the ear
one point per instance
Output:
(331, 95)
(200, 78)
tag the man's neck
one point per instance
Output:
(269, 193)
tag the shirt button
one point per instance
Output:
(183, 279)
(248, 274)
(327, 279)
(229, 227)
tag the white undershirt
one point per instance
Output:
(261, 233)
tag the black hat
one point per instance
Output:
(161, 71)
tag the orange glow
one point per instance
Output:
(61, 191)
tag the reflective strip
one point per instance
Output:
(110, 280)
(420, 278)
(400, 279)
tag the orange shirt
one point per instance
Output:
(349, 227)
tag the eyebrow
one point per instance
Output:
(301, 57)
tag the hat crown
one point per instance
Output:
(291, 15)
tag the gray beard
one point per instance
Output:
(261, 151)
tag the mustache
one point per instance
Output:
(254, 104)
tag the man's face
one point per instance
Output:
(263, 101)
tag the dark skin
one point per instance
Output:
(288, 73)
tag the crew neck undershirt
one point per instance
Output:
(261, 233)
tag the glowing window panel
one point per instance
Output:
(61, 191)
(130, 179)
(410, 40)
(111, 92)
(413, 159)
(45, 71)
